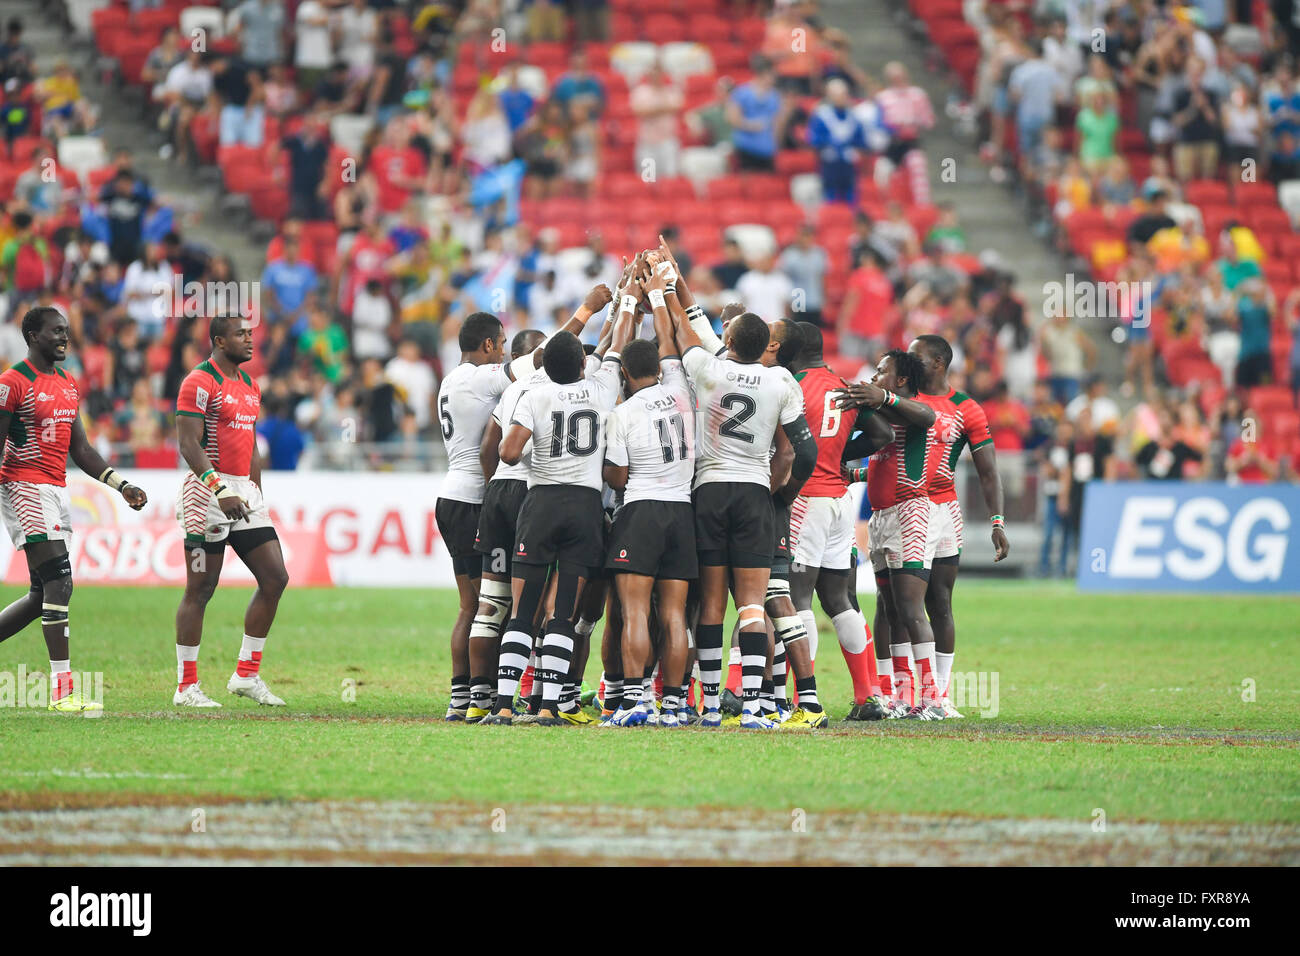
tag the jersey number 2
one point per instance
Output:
(731, 427)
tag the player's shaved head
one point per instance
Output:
(524, 342)
(813, 345)
(747, 336)
(220, 327)
(786, 333)
(34, 320)
(563, 358)
(478, 327)
(935, 348)
(640, 359)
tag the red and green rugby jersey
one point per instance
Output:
(904, 468)
(969, 426)
(42, 408)
(831, 427)
(228, 407)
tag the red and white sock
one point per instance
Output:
(187, 666)
(943, 671)
(849, 629)
(60, 679)
(733, 668)
(924, 654)
(903, 683)
(885, 666)
(250, 656)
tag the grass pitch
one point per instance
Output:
(1149, 709)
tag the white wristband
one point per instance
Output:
(666, 270)
(628, 304)
(657, 298)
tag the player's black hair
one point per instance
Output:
(563, 358)
(908, 366)
(814, 345)
(787, 333)
(749, 335)
(219, 327)
(524, 342)
(640, 359)
(937, 347)
(35, 320)
(478, 327)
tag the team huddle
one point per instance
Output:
(647, 481)
(653, 478)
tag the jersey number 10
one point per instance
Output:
(568, 433)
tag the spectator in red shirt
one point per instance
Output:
(868, 299)
(398, 168)
(1008, 420)
(367, 259)
(1251, 462)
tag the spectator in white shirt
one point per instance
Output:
(414, 377)
(147, 292)
(372, 315)
(358, 29)
(765, 291)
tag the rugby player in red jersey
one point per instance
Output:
(822, 519)
(903, 523)
(220, 500)
(39, 429)
(972, 428)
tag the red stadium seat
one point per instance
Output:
(1198, 192)
(1255, 194)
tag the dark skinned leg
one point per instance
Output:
(467, 591)
(266, 561)
(27, 608)
(751, 590)
(673, 652)
(634, 591)
(938, 604)
(57, 592)
(202, 571)
(909, 596)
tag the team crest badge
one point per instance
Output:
(201, 398)
(4, 394)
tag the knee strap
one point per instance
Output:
(749, 614)
(777, 588)
(496, 595)
(59, 566)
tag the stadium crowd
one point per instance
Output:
(420, 162)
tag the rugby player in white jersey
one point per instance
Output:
(740, 406)
(650, 459)
(561, 521)
(466, 398)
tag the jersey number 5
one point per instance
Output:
(575, 442)
(447, 428)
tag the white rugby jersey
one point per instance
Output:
(737, 412)
(504, 412)
(568, 426)
(653, 435)
(466, 398)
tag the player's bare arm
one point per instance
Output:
(488, 450)
(986, 466)
(596, 299)
(805, 457)
(782, 461)
(90, 461)
(512, 446)
(615, 475)
(903, 411)
(189, 436)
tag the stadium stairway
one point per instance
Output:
(123, 125)
(991, 218)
